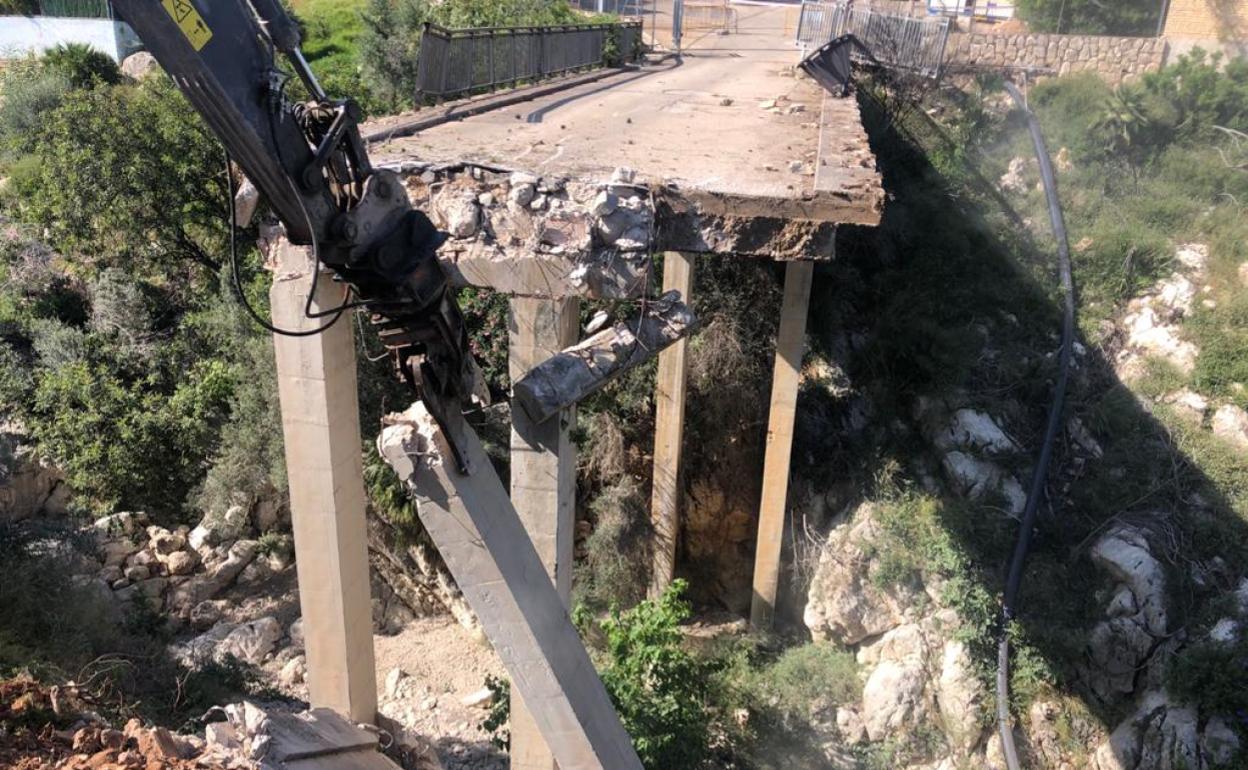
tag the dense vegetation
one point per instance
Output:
(1092, 17)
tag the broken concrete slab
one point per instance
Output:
(530, 236)
(475, 527)
(571, 375)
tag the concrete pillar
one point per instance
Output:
(669, 426)
(321, 427)
(543, 479)
(478, 532)
(790, 344)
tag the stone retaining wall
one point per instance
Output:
(1114, 58)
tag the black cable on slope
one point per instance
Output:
(1036, 493)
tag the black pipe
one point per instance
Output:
(1036, 493)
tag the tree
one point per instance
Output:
(1092, 17)
(128, 176)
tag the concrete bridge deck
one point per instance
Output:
(729, 126)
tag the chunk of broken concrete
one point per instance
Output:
(571, 375)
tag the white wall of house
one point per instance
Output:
(22, 35)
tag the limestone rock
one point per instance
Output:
(203, 587)
(218, 528)
(1125, 554)
(1154, 335)
(850, 725)
(1231, 424)
(960, 697)
(976, 478)
(294, 672)
(1218, 743)
(969, 429)
(892, 698)
(29, 484)
(1015, 179)
(843, 605)
(117, 525)
(138, 66)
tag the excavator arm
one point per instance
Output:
(234, 61)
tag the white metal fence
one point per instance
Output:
(899, 42)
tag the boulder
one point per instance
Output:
(217, 528)
(976, 478)
(294, 672)
(251, 642)
(181, 562)
(960, 696)
(207, 614)
(893, 699)
(1230, 423)
(115, 552)
(206, 586)
(843, 605)
(139, 65)
(460, 215)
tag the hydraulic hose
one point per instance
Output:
(1035, 494)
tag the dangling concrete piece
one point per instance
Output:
(567, 378)
(483, 542)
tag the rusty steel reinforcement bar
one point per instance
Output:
(455, 62)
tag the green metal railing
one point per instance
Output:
(76, 9)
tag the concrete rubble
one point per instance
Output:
(569, 376)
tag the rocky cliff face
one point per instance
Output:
(29, 485)
(1119, 614)
(919, 674)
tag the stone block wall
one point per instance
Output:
(1221, 20)
(1114, 58)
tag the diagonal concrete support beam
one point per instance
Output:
(568, 377)
(475, 527)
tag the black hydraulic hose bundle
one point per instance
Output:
(1035, 494)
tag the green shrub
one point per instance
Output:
(614, 570)
(82, 65)
(661, 690)
(129, 177)
(27, 92)
(1213, 675)
(809, 674)
(1091, 17)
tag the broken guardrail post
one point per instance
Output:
(573, 374)
(483, 542)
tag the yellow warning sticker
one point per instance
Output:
(189, 21)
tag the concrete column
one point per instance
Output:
(669, 426)
(321, 427)
(479, 534)
(543, 479)
(790, 344)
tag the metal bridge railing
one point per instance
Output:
(454, 62)
(900, 42)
